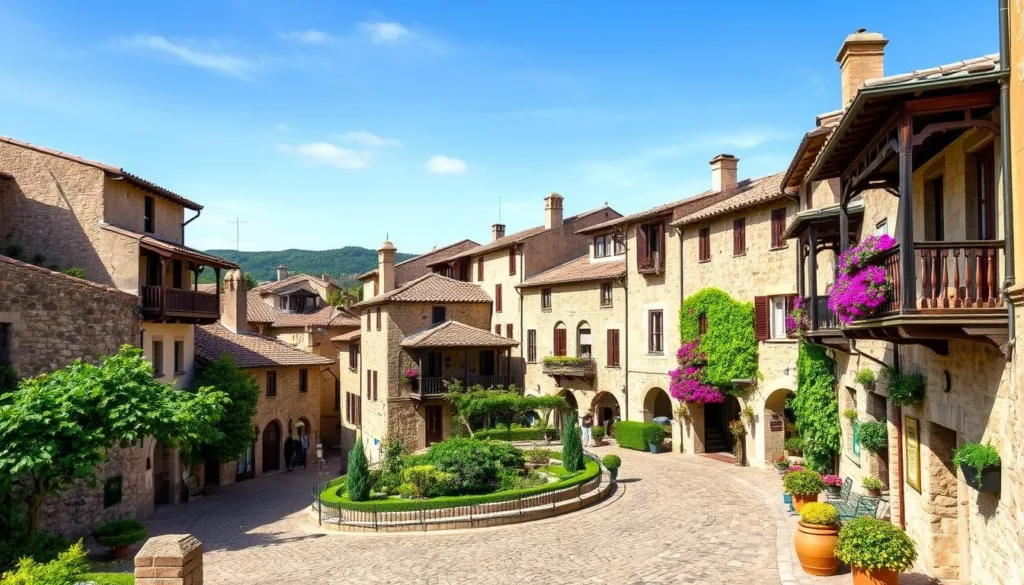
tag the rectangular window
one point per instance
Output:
(601, 247)
(545, 298)
(606, 294)
(375, 385)
(438, 315)
(882, 227)
(480, 269)
(497, 298)
(353, 356)
(650, 247)
(5, 343)
(531, 346)
(369, 384)
(148, 212)
(158, 358)
(620, 245)
(655, 332)
(560, 342)
(778, 309)
(112, 491)
(778, 228)
(176, 279)
(497, 329)
(179, 357)
(367, 320)
(511, 261)
(585, 344)
(613, 347)
(303, 381)
(508, 331)
(378, 318)
(704, 244)
(739, 236)
(271, 383)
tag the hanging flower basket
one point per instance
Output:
(861, 287)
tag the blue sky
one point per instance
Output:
(325, 124)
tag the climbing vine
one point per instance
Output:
(815, 406)
(728, 343)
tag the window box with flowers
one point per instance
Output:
(798, 320)
(412, 376)
(862, 286)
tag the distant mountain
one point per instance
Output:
(343, 264)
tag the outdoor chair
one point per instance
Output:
(844, 494)
(857, 506)
(194, 491)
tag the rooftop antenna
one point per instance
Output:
(238, 232)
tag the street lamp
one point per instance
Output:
(320, 465)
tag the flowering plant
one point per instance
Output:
(798, 321)
(793, 468)
(832, 480)
(411, 373)
(687, 383)
(737, 428)
(861, 287)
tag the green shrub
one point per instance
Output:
(43, 547)
(118, 533)
(803, 483)
(871, 482)
(597, 433)
(110, 578)
(653, 434)
(815, 406)
(851, 414)
(8, 379)
(905, 388)
(871, 544)
(572, 444)
(475, 465)
(516, 434)
(874, 436)
(976, 456)
(612, 461)
(359, 481)
(634, 435)
(67, 569)
(866, 378)
(75, 271)
(538, 456)
(388, 476)
(567, 360)
(795, 445)
(426, 480)
(819, 514)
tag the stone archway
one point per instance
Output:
(657, 404)
(574, 406)
(773, 426)
(605, 407)
(271, 441)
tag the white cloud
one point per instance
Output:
(369, 139)
(443, 165)
(327, 154)
(282, 128)
(223, 64)
(385, 33)
(309, 37)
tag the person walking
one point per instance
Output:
(289, 452)
(587, 424)
(304, 447)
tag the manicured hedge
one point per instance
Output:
(516, 434)
(635, 435)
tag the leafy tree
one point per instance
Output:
(343, 262)
(572, 444)
(505, 406)
(235, 427)
(358, 480)
(336, 298)
(56, 428)
(250, 281)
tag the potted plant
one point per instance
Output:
(850, 414)
(412, 375)
(980, 465)
(120, 535)
(804, 486)
(873, 485)
(874, 436)
(816, 537)
(877, 551)
(612, 463)
(833, 485)
(866, 378)
(597, 436)
(653, 435)
(795, 446)
(739, 431)
(781, 462)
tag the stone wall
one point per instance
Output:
(124, 206)
(286, 409)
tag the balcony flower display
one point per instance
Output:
(798, 321)
(412, 374)
(861, 287)
(687, 382)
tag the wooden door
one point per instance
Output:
(272, 447)
(435, 430)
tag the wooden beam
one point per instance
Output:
(979, 99)
(812, 273)
(908, 294)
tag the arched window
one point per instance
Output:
(559, 345)
(583, 340)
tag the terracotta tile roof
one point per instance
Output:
(755, 192)
(323, 317)
(578, 270)
(250, 350)
(257, 310)
(515, 238)
(417, 266)
(350, 336)
(676, 209)
(965, 68)
(208, 287)
(269, 287)
(112, 171)
(456, 334)
(70, 280)
(165, 248)
(806, 153)
(431, 288)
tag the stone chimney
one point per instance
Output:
(497, 231)
(282, 272)
(233, 304)
(860, 59)
(553, 211)
(325, 277)
(386, 267)
(723, 172)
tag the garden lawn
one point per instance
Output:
(110, 578)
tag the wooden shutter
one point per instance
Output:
(497, 329)
(508, 331)
(497, 298)
(480, 269)
(613, 347)
(378, 318)
(739, 236)
(661, 248)
(762, 318)
(531, 345)
(511, 261)
(778, 226)
(560, 344)
(369, 383)
(642, 250)
(704, 244)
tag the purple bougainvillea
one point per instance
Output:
(861, 286)
(797, 321)
(687, 383)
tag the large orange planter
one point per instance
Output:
(876, 577)
(800, 499)
(816, 548)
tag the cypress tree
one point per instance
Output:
(572, 444)
(358, 480)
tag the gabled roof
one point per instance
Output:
(579, 270)
(822, 214)
(755, 192)
(113, 172)
(165, 248)
(675, 210)
(809, 149)
(257, 310)
(271, 287)
(431, 288)
(250, 349)
(967, 67)
(456, 334)
(417, 266)
(327, 316)
(349, 336)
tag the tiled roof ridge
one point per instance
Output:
(954, 67)
(388, 296)
(729, 204)
(545, 278)
(219, 331)
(419, 257)
(70, 279)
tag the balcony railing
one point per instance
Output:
(824, 316)
(959, 275)
(434, 386)
(162, 302)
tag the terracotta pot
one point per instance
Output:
(816, 548)
(875, 493)
(123, 552)
(800, 499)
(876, 577)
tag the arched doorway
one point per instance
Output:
(574, 406)
(717, 438)
(657, 405)
(775, 423)
(272, 447)
(163, 474)
(606, 410)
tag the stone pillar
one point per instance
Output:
(171, 559)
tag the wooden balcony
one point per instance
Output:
(584, 368)
(175, 305)
(433, 387)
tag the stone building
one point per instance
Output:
(414, 267)
(922, 156)
(291, 381)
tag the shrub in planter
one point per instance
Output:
(804, 486)
(120, 535)
(653, 435)
(850, 414)
(795, 446)
(474, 465)
(866, 378)
(426, 480)
(612, 462)
(980, 465)
(877, 548)
(781, 462)
(816, 538)
(630, 434)
(597, 434)
(905, 388)
(874, 436)
(872, 484)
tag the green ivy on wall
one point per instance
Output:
(729, 343)
(815, 406)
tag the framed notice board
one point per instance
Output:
(912, 443)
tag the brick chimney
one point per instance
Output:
(386, 267)
(497, 231)
(233, 304)
(723, 172)
(553, 211)
(860, 59)
(282, 272)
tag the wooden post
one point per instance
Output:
(906, 212)
(800, 268)
(465, 368)
(812, 274)
(844, 219)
